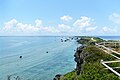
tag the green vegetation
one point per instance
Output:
(116, 64)
(69, 76)
(87, 40)
(118, 55)
(92, 69)
(113, 41)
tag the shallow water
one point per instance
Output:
(36, 64)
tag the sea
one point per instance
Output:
(42, 57)
(110, 37)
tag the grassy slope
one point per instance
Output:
(92, 69)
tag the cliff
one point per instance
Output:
(88, 66)
(79, 58)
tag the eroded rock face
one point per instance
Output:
(79, 58)
(57, 77)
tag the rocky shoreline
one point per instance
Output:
(88, 66)
(79, 55)
(78, 58)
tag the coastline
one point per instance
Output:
(84, 55)
(81, 57)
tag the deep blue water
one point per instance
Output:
(110, 37)
(36, 64)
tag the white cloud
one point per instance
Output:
(84, 24)
(91, 28)
(10, 24)
(49, 30)
(64, 28)
(14, 27)
(115, 17)
(38, 22)
(108, 30)
(27, 28)
(66, 18)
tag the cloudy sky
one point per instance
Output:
(59, 17)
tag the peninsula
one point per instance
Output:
(96, 59)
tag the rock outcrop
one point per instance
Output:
(57, 77)
(79, 58)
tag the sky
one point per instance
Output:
(59, 18)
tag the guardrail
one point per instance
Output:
(108, 50)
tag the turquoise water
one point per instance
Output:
(36, 64)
